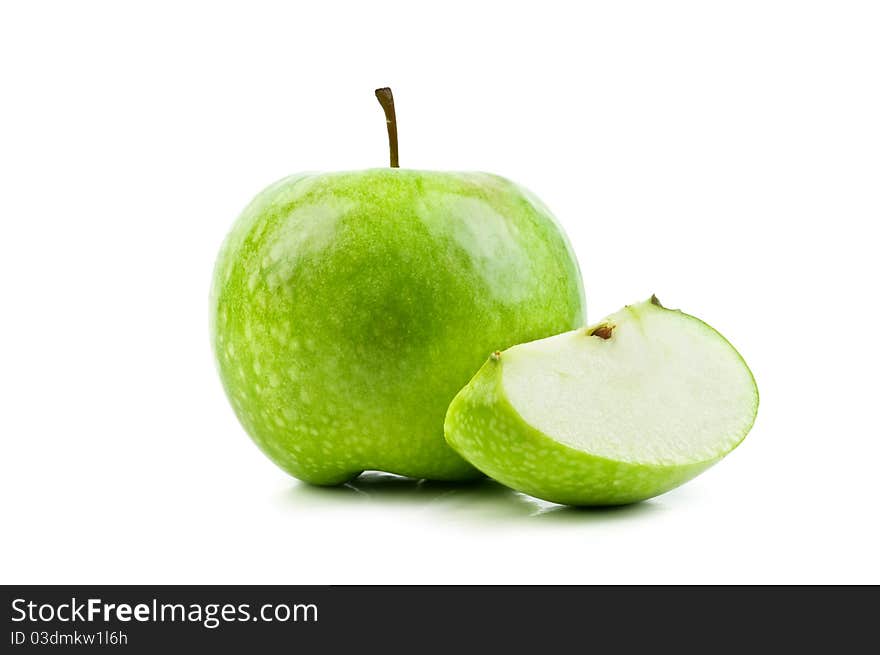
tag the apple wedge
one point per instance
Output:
(619, 412)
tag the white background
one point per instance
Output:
(723, 155)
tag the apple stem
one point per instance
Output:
(386, 99)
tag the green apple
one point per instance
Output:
(616, 413)
(349, 308)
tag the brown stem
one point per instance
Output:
(386, 99)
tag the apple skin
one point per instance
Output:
(486, 428)
(348, 309)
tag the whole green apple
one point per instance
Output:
(348, 309)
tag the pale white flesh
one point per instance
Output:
(663, 389)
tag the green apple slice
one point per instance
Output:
(615, 413)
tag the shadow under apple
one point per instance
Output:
(478, 500)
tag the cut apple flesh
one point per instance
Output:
(647, 385)
(615, 413)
